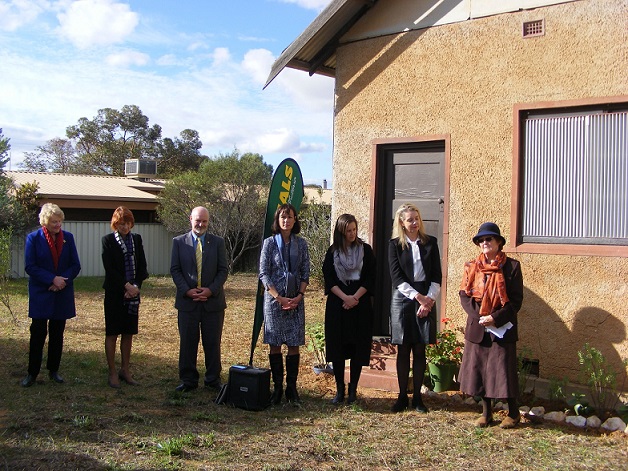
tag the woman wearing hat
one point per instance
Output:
(491, 293)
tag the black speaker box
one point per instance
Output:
(249, 387)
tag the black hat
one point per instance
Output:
(488, 229)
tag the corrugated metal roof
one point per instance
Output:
(89, 187)
(315, 49)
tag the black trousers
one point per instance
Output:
(194, 325)
(39, 329)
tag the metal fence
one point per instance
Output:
(87, 234)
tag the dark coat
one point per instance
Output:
(115, 276)
(42, 303)
(183, 271)
(402, 270)
(474, 332)
(352, 327)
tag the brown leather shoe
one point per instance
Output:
(483, 421)
(509, 422)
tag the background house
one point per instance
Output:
(512, 111)
(88, 202)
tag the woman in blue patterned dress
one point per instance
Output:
(284, 270)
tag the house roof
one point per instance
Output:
(314, 51)
(89, 187)
(59, 186)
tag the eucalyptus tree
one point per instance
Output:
(234, 188)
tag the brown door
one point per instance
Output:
(406, 173)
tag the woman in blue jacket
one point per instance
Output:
(52, 263)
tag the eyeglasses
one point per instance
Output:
(485, 239)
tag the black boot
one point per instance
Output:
(340, 394)
(292, 372)
(353, 390)
(276, 369)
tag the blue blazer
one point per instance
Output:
(42, 303)
(214, 271)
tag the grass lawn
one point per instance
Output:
(84, 424)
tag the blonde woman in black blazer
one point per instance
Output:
(416, 277)
(125, 269)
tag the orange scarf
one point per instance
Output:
(485, 283)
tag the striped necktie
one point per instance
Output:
(199, 262)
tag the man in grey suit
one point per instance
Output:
(200, 302)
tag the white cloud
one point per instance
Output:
(168, 60)
(127, 58)
(87, 23)
(257, 63)
(279, 140)
(221, 55)
(17, 13)
(310, 4)
(316, 93)
(284, 140)
(196, 45)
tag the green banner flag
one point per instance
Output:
(286, 187)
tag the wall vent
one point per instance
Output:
(533, 28)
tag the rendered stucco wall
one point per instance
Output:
(462, 80)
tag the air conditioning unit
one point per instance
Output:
(140, 168)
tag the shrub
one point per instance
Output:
(600, 377)
(315, 220)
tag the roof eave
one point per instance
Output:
(329, 40)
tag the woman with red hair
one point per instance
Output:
(125, 268)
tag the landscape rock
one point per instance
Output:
(524, 409)
(577, 420)
(538, 411)
(614, 424)
(555, 416)
(470, 401)
(594, 421)
(457, 398)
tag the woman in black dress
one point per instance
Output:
(349, 271)
(416, 278)
(491, 293)
(125, 268)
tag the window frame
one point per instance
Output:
(520, 112)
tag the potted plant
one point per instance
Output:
(444, 357)
(316, 345)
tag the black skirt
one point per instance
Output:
(407, 328)
(118, 321)
(348, 332)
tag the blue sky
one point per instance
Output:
(198, 64)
